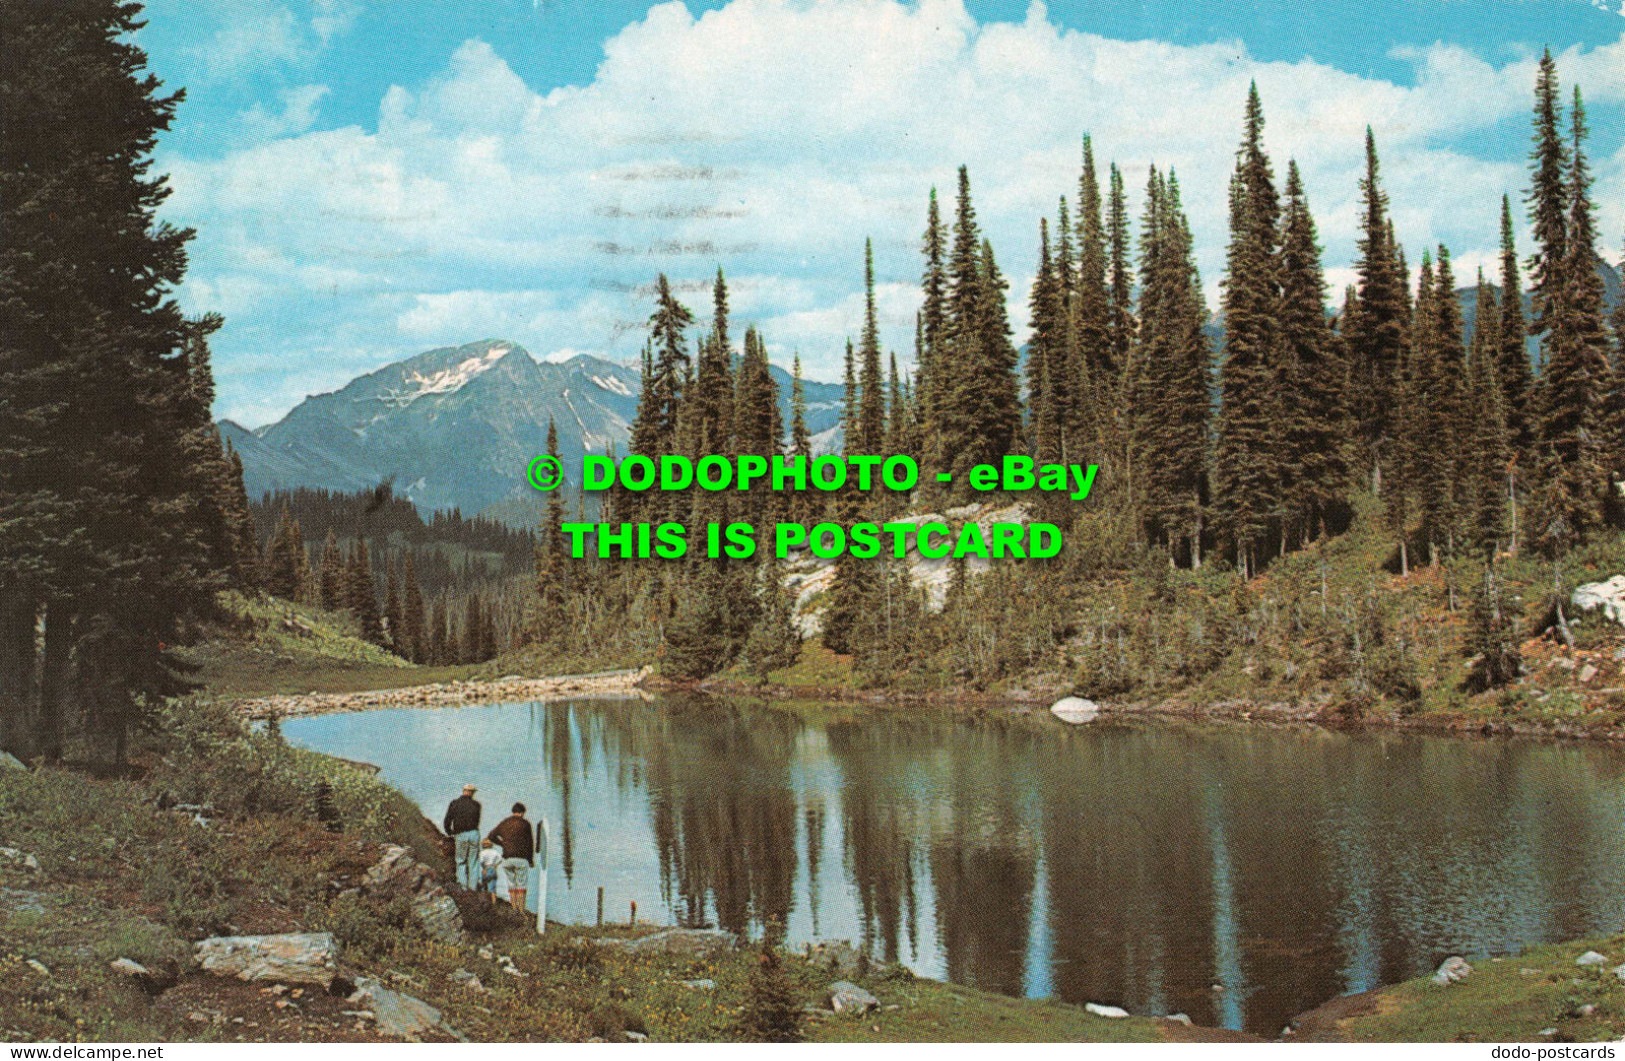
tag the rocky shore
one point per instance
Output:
(451, 694)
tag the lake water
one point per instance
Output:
(1240, 874)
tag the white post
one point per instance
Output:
(542, 836)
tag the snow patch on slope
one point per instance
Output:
(613, 385)
(446, 380)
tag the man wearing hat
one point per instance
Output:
(462, 824)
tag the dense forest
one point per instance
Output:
(1217, 460)
(451, 586)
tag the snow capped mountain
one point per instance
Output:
(458, 426)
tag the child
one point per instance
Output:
(490, 859)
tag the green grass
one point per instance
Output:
(1510, 1000)
(268, 647)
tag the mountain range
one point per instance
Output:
(456, 427)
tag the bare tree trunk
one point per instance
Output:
(17, 657)
(59, 626)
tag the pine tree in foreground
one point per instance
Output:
(772, 1013)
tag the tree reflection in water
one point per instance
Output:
(1138, 864)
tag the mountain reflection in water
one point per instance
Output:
(1237, 874)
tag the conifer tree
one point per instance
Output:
(1548, 200)
(552, 558)
(1484, 456)
(1120, 280)
(933, 317)
(711, 404)
(362, 593)
(1375, 329)
(1512, 357)
(392, 607)
(669, 372)
(1045, 354)
(1091, 317)
(1437, 375)
(1171, 361)
(871, 423)
(988, 396)
(250, 569)
(331, 581)
(413, 643)
(1313, 375)
(1576, 379)
(1246, 465)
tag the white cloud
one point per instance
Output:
(772, 136)
(299, 111)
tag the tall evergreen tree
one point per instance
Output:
(1091, 318)
(1484, 456)
(933, 316)
(1512, 356)
(1312, 375)
(1575, 382)
(1171, 362)
(871, 424)
(1375, 329)
(361, 593)
(1120, 290)
(1246, 464)
(1046, 353)
(1548, 199)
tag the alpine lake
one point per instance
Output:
(1238, 873)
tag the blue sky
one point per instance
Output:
(370, 178)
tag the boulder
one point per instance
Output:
(1619, 971)
(289, 958)
(9, 761)
(700, 985)
(397, 1015)
(1591, 957)
(847, 997)
(700, 942)
(1179, 1018)
(397, 873)
(1075, 709)
(1109, 1012)
(1452, 970)
(1609, 596)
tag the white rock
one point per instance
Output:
(1111, 1012)
(1179, 1018)
(290, 958)
(1591, 957)
(1075, 709)
(847, 997)
(1451, 970)
(1609, 596)
(1619, 971)
(9, 761)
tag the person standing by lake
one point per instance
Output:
(518, 854)
(462, 824)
